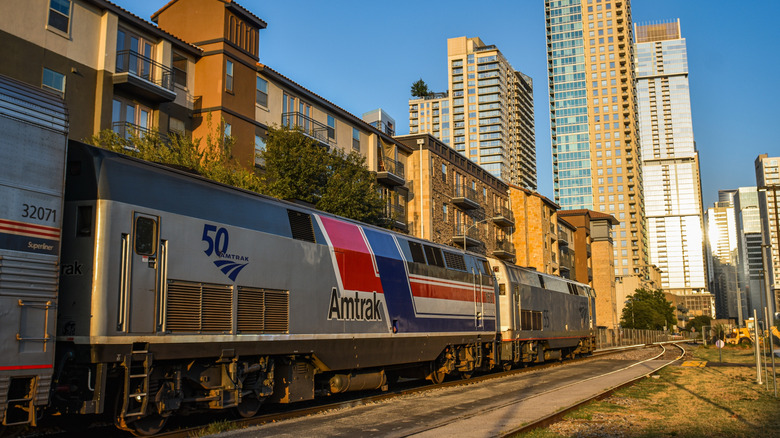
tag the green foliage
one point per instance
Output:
(698, 322)
(351, 189)
(420, 89)
(298, 167)
(213, 160)
(648, 310)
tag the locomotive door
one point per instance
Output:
(141, 271)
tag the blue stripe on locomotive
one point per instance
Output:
(398, 294)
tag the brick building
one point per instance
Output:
(453, 201)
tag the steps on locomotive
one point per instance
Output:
(138, 365)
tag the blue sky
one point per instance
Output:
(363, 55)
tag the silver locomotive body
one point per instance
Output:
(188, 294)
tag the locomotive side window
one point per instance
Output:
(434, 256)
(417, 252)
(145, 235)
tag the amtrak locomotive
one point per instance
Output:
(178, 294)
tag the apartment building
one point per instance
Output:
(594, 260)
(567, 257)
(768, 186)
(114, 69)
(196, 72)
(670, 161)
(593, 115)
(454, 201)
(487, 113)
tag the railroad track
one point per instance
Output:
(185, 427)
(419, 387)
(670, 355)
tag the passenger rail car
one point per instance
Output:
(33, 139)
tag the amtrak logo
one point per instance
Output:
(218, 240)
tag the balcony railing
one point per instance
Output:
(504, 249)
(144, 76)
(127, 130)
(391, 172)
(466, 234)
(503, 217)
(466, 198)
(396, 215)
(308, 126)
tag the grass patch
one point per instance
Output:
(714, 401)
(215, 428)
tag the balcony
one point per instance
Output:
(309, 127)
(127, 131)
(504, 250)
(395, 215)
(390, 172)
(503, 217)
(465, 198)
(466, 234)
(144, 77)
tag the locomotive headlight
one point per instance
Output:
(138, 398)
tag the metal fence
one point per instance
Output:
(610, 338)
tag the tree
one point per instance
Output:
(648, 310)
(698, 322)
(420, 89)
(351, 189)
(298, 167)
(212, 160)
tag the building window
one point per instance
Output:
(355, 139)
(229, 75)
(262, 92)
(130, 118)
(444, 212)
(134, 55)
(259, 150)
(228, 130)
(53, 81)
(179, 69)
(176, 126)
(444, 173)
(59, 14)
(331, 127)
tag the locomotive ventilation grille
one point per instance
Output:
(209, 308)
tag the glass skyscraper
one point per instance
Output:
(670, 162)
(593, 120)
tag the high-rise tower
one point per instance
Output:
(670, 162)
(487, 114)
(593, 119)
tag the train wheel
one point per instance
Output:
(148, 425)
(249, 406)
(436, 375)
(465, 375)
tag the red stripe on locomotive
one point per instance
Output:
(357, 266)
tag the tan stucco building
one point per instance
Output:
(536, 230)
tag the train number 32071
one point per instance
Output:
(40, 213)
